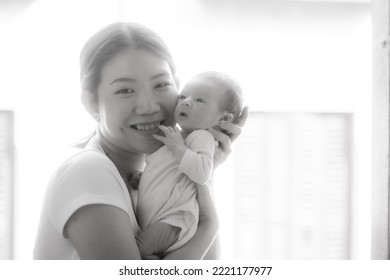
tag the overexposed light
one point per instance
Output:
(289, 56)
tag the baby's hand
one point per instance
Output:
(173, 140)
(172, 136)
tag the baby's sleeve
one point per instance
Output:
(87, 179)
(197, 162)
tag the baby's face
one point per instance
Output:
(198, 105)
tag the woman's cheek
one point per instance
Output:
(170, 118)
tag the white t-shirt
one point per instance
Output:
(167, 189)
(88, 177)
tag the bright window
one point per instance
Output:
(292, 187)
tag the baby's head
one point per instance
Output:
(208, 99)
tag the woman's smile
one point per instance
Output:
(146, 126)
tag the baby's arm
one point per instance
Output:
(156, 239)
(196, 160)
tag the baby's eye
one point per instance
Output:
(125, 91)
(181, 97)
(200, 100)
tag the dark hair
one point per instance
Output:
(233, 99)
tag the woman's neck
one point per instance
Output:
(126, 162)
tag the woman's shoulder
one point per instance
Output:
(91, 154)
(86, 157)
(83, 164)
(85, 174)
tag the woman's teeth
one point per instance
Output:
(146, 127)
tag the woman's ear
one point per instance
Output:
(89, 103)
(225, 118)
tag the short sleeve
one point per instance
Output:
(86, 179)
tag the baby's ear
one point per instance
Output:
(225, 118)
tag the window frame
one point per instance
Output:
(380, 134)
(8, 154)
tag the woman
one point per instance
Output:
(129, 86)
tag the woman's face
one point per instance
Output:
(136, 94)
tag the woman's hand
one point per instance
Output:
(225, 135)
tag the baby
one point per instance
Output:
(167, 208)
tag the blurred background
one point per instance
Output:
(297, 185)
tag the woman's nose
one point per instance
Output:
(147, 104)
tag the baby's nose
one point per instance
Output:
(186, 103)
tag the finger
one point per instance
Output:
(164, 129)
(222, 138)
(243, 116)
(177, 133)
(171, 130)
(160, 138)
(176, 129)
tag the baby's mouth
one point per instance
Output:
(146, 126)
(182, 114)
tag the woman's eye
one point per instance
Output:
(200, 100)
(181, 97)
(125, 91)
(162, 85)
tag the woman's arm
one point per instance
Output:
(214, 253)
(102, 232)
(197, 247)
